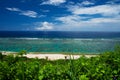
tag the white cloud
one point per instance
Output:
(54, 2)
(68, 19)
(41, 16)
(105, 20)
(112, 1)
(44, 26)
(105, 10)
(87, 3)
(109, 19)
(28, 13)
(32, 14)
(13, 9)
(75, 22)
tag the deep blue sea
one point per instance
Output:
(59, 41)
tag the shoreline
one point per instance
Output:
(48, 56)
(65, 53)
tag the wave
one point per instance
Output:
(76, 39)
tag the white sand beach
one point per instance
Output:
(50, 56)
(56, 56)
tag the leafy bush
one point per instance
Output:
(105, 66)
(22, 52)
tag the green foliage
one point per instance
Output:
(22, 52)
(83, 77)
(1, 56)
(105, 66)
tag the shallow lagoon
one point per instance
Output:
(90, 46)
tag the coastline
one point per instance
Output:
(50, 56)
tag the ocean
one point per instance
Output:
(59, 41)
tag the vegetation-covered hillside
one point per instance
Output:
(105, 66)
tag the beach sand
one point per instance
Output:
(50, 56)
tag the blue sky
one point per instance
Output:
(60, 15)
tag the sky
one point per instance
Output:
(60, 15)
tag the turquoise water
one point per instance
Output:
(58, 45)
